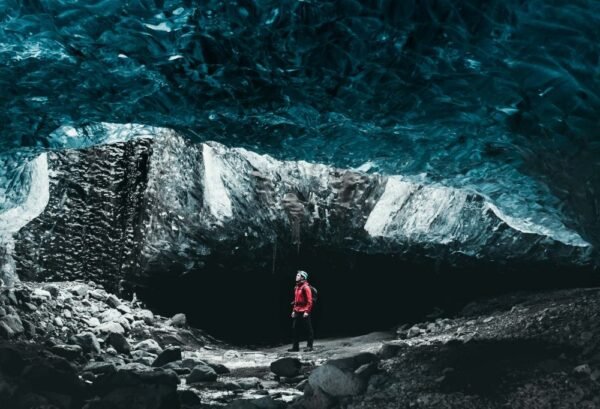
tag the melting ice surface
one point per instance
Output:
(499, 97)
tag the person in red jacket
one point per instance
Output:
(302, 308)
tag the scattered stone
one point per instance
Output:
(119, 342)
(110, 315)
(149, 345)
(58, 322)
(97, 295)
(124, 309)
(145, 315)
(87, 341)
(220, 369)
(52, 289)
(79, 290)
(168, 355)
(388, 350)
(113, 301)
(14, 323)
(100, 367)
(178, 320)
(202, 373)
(43, 294)
(92, 322)
(70, 352)
(110, 327)
(288, 367)
(583, 369)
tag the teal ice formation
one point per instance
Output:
(168, 132)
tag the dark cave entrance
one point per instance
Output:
(245, 302)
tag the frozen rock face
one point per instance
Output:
(165, 205)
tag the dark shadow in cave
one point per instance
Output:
(245, 298)
(491, 367)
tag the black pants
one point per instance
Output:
(307, 323)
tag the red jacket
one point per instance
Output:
(303, 301)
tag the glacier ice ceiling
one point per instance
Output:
(499, 99)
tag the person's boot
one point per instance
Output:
(294, 348)
(309, 347)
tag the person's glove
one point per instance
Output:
(305, 315)
(293, 314)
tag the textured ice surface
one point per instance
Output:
(500, 97)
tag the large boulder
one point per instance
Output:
(336, 382)
(288, 367)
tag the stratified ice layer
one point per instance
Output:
(500, 97)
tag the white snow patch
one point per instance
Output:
(215, 193)
(12, 220)
(566, 236)
(393, 198)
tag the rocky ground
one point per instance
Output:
(73, 345)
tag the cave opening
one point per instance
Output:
(248, 303)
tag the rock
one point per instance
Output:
(249, 383)
(97, 295)
(43, 294)
(87, 341)
(52, 289)
(13, 322)
(110, 327)
(119, 342)
(583, 369)
(92, 322)
(79, 290)
(366, 371)
(113, 301)
(202, 373)
(388, 350)
(302, 385)
(176, 367)
(100, 368)
(29, 329)
(219, 368)
(5, 331)
(168, 355)
(335, 381)
(192, 363)
(136, 386)
(58, 322)
(314, 398)
(188, 397)
(352, 361)
(149, 345)
(70, 352)
(288, 367)
(124, 309)
(413, 332)
(110, 315)
(145, 315)
(178, 320)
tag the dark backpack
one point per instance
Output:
(315, 294)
